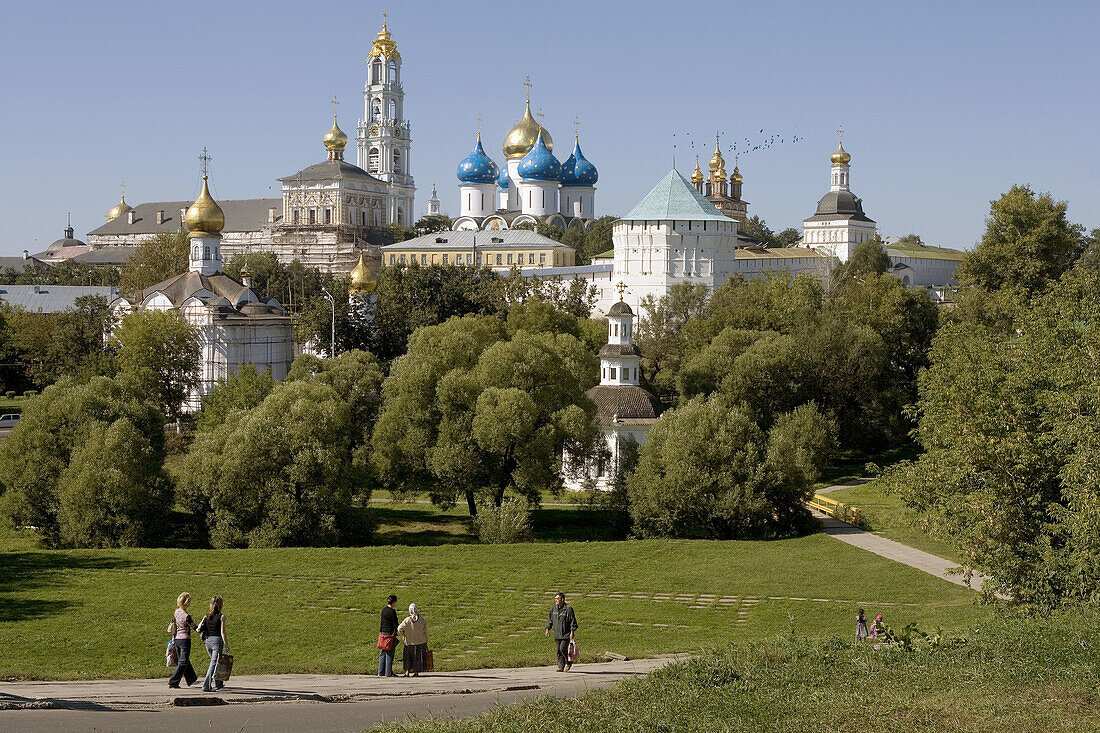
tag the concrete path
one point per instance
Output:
(102, 695)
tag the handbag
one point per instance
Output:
(225, 667)
(386, 642)
(429, 661)
(171, 655)
(573, 653)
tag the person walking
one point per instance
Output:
(563, 622)
(414, 635)
(861, 626)
(180, 628)
(212, 631)
(387, 638)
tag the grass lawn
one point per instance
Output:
(887, 516)
(1013, 676)
(101, 614)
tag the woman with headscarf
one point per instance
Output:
(414, 635)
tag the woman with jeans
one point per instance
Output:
(180, 628)
(212, 630)
(387, 633)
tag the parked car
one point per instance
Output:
(8, 421)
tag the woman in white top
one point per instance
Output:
(180, 628)
(414, 635)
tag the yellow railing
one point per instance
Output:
(834, 508)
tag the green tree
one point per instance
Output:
(58, 424)
(162, 256)
(65, 272)
(868, 258)
(708, 471)
(160, 350)
(660, 332)
(49, 345)
(432, 223)
(244, 389)
(280, 474)
(759, 230)
(1028, 244)
(115, 492)
(356, 377)
(469, 413)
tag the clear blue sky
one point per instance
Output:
(944, 105)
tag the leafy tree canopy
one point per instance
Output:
(160, 350)
(162, 256)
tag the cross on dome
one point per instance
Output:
(527, 83)
(205, 161)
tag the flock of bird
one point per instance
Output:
(737, 148)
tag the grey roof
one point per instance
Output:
(840, 205)
(67, 241)
(626, 402)
(675, 198)
(18, 264)
(183, 286)
(465, 240)
(620, 309)
(568, 270)
(241, 215)
(52, 298)
(329, 170)
(619, 349)
(117, 255)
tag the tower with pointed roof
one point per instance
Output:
(433, 204)
(839, 224)
(384, 139)
(477, 179)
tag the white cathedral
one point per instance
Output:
(533, 186)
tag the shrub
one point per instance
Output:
(10, 394)
(510, 522)
(30, 393)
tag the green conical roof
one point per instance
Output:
(675, 198)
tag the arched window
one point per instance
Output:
(397, 161)
(376, 72)
(400, 216)
(373, 160)
(393, 72)
(393, 110)
(376, 110)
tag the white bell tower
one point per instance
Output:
(384, 141)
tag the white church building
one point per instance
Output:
(235, 325)
(625, 411)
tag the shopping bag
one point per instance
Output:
(171, 655)
(573, 654)
(225, 667)
(429, 661)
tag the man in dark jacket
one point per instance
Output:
(388, 631)
(564, 623)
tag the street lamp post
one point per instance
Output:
(332, 301)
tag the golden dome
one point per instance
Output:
(521, 138)
(362, 279)
(384, 46)
(697, 176)
(736, 174)
(335, 139)
(204, 218)
(840, 157)
(119, 209)
(716, 160)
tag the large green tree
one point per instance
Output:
(470, 413)
(868, 258)
(70, 342)
(160, 350)
(280, 474)
(83, 464)
(708, 471)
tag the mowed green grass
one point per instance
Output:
(102, 614)
(886, 515)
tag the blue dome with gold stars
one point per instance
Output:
(577, 170)
(540, 164)
(477, 167)
(503, 180)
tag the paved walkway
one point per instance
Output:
(896, 551)
(153, 694)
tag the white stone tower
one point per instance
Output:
(204, 220)
(384, 141)
(619, 358)
(433, 203)
(839, 224)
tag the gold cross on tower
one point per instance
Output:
(335, 104)
(205, 158)
(123, 187)
(621, 287)
(527, 83)
(577, 128)
(479, 125)
(840, 132)
(384, 16)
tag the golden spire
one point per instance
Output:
(362, 279)
(697, 176)
(204, 218)
(121, 207)
(384, 46)
(736, 173)
(841, 156)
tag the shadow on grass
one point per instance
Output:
(26, 571)
(549, 524)
(420, 525)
